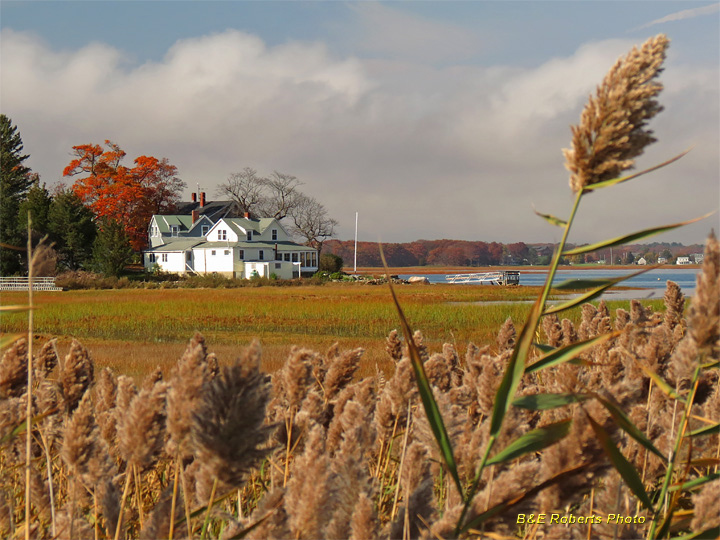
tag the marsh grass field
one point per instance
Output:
(136, 330)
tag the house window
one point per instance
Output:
(227, 252)
(163, 257)
(212, 252)
(204, 229)
(151, 257)
(188, 256)
(222, 234)
(173, 230)
(278, 266)
(274, 234)
(241, 254)
(261, 255)
(286, 256)
(295, 257)
(249, 236)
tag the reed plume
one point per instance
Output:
(612, 130)
(141, 433)
(228, 430)
(76, 375)
(13, 370)
(187, 384)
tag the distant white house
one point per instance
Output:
(698, 257)
(662, 260)
(682, 260)
(641, 261)
(234, 247)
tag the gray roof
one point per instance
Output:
(213, 209)
(178, 245)
(164, 223)
(282, 246)
(253, 224)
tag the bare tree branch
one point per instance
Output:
(280, 195)
(245, 188)
(311, 222)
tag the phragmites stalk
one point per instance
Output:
(612, 130)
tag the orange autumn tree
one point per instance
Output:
(129, 196)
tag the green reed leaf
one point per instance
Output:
(661, 383)
(532, 441)
(432, 411)
(627, 426)
(708, 430)
(515, 369)
(22, 426)
(601, 286)
(513, 501)
(14, 309)
(551, 219)
(695, 483)
(614, 181)
(542, 402)
(708, 534)
(576, 284)
(620, 240)
(622, 465)
(6, 341)
(569, 352)
(544, 348)
(247, 530)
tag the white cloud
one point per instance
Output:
(684, 14)
(420, 151)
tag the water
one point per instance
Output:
(649, 285)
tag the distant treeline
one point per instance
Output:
(469, 253)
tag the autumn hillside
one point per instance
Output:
(476, 253)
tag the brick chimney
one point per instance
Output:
(202, 199)
(194, 197)
(247, 215)
(195, 215)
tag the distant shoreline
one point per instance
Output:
(395, 270)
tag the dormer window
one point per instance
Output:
(222, 234)
(173, 230)
(274, 234)
(249, 236)
(204, 229)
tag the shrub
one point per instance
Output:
(330, 263)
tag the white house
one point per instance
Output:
(682, 260)
(235, 247)
(165, 229)
(641, 261)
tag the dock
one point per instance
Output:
(487, 278)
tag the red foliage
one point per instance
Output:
(129, 196)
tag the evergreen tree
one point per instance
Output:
(72, 229)
(37, 202)
(112, 250)
(15, 181)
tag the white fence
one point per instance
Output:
(22, 284)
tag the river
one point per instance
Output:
(648, 285)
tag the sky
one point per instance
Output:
(430, 119)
